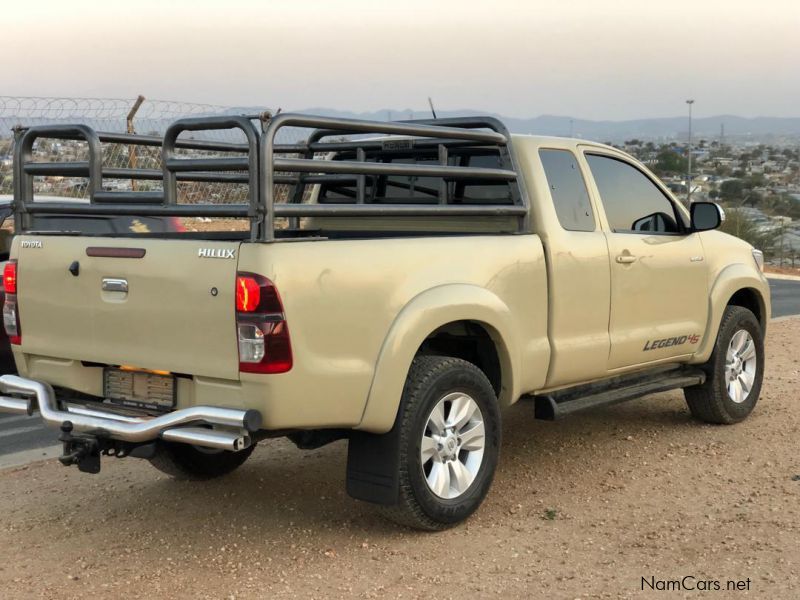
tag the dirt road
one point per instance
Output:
(583, 508)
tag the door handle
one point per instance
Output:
(626, 259)
(111, 284)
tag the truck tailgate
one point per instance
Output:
(178, 313)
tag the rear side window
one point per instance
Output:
(487, 192)
(632, 202)
(403, 189)
(568, 190)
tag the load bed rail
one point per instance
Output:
(336, 154)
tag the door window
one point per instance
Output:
(568, 190)
(633, 203)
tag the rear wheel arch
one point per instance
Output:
(444, 316)
(476, 342)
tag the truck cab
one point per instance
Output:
(630, 277)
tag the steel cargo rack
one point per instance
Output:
(343, 156)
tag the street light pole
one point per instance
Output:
(689, 159)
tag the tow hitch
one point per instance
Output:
(85, 449)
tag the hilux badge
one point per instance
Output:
(216, 253)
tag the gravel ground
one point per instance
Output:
(583, 508)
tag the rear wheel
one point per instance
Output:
(449, 443)
(733, 373)
(183, 461)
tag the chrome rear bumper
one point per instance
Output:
(232, 432)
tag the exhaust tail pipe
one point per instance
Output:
(16, 406)
(208, 438)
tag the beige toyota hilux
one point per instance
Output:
(394, 284)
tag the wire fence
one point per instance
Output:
(135, 115)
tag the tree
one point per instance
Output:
(755, 180)
(734, 190)
(738, 224)
(669, 161)
(793, 209)
(731, 190)
(781, 205)
(721, 170)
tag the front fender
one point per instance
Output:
(730, 280)
(425, 313)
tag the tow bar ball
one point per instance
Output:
(85, 449)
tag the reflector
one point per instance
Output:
(11, 319)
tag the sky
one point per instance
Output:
(601, 59)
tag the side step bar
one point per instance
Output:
(560, 403)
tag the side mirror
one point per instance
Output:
(706, 216)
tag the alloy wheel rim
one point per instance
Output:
(740, 366)
(453, 445)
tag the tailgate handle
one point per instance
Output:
(111, 284)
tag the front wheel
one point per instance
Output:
(733, 373)
(449, 443)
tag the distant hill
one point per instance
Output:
(663, 128)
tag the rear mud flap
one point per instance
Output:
(373, 465)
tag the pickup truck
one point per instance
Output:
(394, 284)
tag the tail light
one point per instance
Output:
(10, 277)
(264, 343)
(10, 312)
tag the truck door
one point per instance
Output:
(659, 282)
(578, 272)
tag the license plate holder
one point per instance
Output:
(140, 389)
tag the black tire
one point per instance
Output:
(430, 379)
(710, 402)
(185, 462)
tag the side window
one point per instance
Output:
(632, 202)
(404, 189)
(486, 192)
(568, 190)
